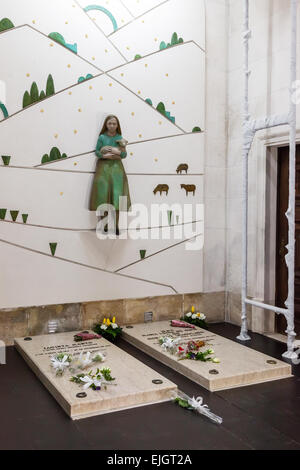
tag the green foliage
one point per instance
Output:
(45, 159)
(26, 99)
(106, 372)
(100, 374)
(55, 154)
(82, 79)
(2, 214)
(77, 378)
(195, 321)
(6, 159)
(97, 358)
(50, 90)
(196, 129)
(111, 334)
(5, 24)
(137, 57)
(4, 110)
(58, 38)
(34, 96)
(199, 356)
(34, 93)
(61, 40)
(53, 247)
(183, 403)
(161, 108)
(174, 41)
(14, 215)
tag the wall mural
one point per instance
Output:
(60, 166)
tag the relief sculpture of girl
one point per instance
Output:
(110, 180)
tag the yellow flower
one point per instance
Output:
(114, 320)
(198, 314)
(104, 321)
(193, 309)
(108, 322)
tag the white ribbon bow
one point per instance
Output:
(90, 381)
(60, 364)
(197, 403)
(170, 343)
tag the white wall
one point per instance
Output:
(191, 80)
(215, 150)
(269, 94)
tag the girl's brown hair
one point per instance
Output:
(104, 128)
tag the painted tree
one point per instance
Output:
(34, 93)
(58, 38)
(55, 154)
(5, 24)
(4, 110)
(45, 158)
(174, 39)
(50, 90)
(42, 95)
(26, 99)
(161, 108)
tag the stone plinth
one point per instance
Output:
(239, 364)
(134, 381)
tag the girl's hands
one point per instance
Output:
(116, 151)
(111, 153)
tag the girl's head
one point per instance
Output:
(111, 125)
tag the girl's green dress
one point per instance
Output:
(110, 180)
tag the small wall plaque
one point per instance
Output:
(148, 317)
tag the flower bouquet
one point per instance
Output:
(96, 381)
(196, 404)
(192, 351)
(85, 360)
(197, 319)
(60, 362)
(110, 330)
(169, 344)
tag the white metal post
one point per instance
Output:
(249, 130)
(290, 257)
(246, 148)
